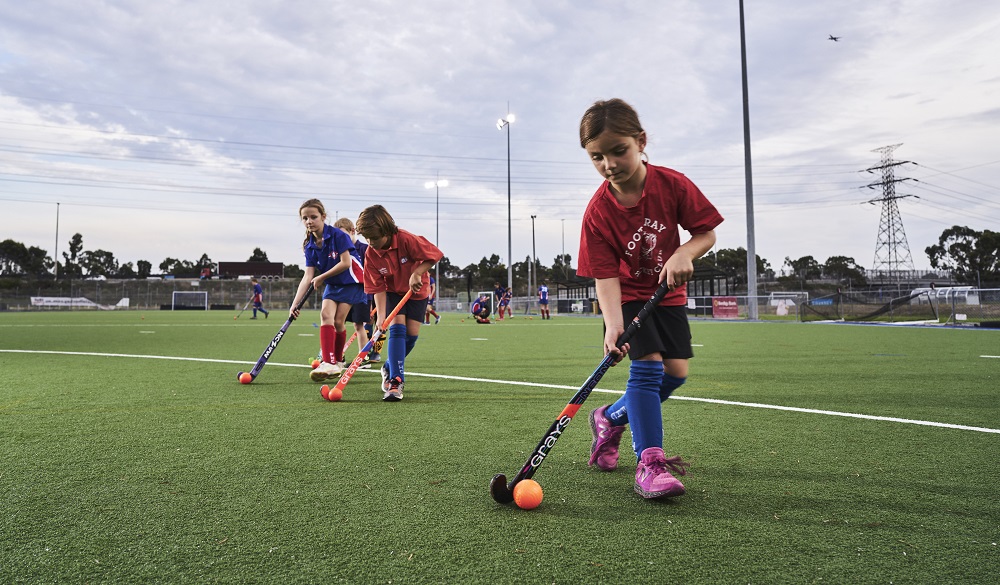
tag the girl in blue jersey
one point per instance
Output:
(332, 269)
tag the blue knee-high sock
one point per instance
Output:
(642, 402)
(396, 349)
(255, 311)
(411, 340)
(618, 414)
(670, 383)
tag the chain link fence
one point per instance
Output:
(969, 306)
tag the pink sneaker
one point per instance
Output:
(652, 478)
(604, 449)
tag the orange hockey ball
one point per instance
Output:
(314, 364)
(246, 378)
(335, 394)
(527, 494)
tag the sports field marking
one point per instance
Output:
(538, 385)
(990, 356)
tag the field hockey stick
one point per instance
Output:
(503, 492)
(351, 340)
(247, 304)
(274, 342)
(376, 335)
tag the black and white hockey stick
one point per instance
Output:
(274, 342)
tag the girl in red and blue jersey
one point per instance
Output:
(333, 269)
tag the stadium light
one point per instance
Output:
(501, 124)
(437, 184)
(534, 258)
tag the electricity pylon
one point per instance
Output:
(892, 252)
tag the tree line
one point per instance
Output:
(973, 257)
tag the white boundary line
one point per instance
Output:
(554, 386)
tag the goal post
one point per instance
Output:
(493, 301)
(189, 300)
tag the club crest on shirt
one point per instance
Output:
(645, 240)
(403, 260)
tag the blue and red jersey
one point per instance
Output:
(325, 256)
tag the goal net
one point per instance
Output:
(870, 308)
(493, 301)
(189, 300)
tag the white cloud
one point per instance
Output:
(177, 128)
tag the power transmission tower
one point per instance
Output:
(892, 252)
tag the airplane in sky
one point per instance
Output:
(834, 39)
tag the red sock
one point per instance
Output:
(327, 342)
(341, 341)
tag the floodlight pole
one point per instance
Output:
(751, 248)
(534, 259)
(55, 255)
(501, 124)
(437, 184)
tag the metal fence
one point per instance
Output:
(969, 306)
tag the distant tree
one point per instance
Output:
(71, 267)
(126, 271)
(734, 263)
(258, 256)
(144, 268)
(99, 263)
(181, 268)
(447, 269)
(843, 268)
(805, 268)
(16, 260)
(562, 268)
(206, 262)
(292, 271)
(973, 257)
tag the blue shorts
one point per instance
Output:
(543, 301)
(351, 294)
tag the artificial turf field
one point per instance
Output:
(129, 453)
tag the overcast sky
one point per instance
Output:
(181, 128)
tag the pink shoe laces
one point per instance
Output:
(675, 464)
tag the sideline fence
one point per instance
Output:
(952, 306)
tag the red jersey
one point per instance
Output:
(633, 243)
(389, 270)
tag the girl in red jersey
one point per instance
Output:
(396, 260)
(630, 242)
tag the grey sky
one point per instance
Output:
(172, 129)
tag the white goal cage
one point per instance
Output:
(186, 300)
(493, 301)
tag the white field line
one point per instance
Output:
(538, 385)
(990, 356)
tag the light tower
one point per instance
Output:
(892, 252)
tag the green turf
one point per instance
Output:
(134, 469)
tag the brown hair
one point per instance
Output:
(322, 211)
(375, 222)
(614, 115)
(344, 224)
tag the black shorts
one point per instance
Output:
(415, 310)
(665, 331)
(361, 313)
